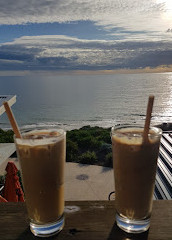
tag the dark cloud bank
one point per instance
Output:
(84, 55)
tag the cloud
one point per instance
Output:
(69, 53)
(151, 16)
(141, 31)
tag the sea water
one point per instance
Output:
(72, 101)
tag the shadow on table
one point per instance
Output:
(27, 235)
(117, 234)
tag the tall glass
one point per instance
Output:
(41, 155)
(135, 164)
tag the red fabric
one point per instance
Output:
(12, 191)
(2, 199)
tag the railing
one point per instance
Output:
(163, 183)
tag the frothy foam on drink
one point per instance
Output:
(133, 136)
(41, 137)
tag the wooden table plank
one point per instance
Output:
(86, 220)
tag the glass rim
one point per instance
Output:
(27, 131)
(114, 130)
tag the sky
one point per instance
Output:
(89, 35)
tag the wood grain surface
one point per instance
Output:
(86, 220)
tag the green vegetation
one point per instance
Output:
(88, 157)
(89, 145)
(6, 136)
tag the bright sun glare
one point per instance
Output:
(168, 4)
(167, 15)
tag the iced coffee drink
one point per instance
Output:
(135, 164)
(41, 155)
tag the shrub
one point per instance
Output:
(89, 142)
(88, 158)
(6, 136)
(76, 135)
(108, 160)
(84, 142)
(71, 150)
(105, 136)
(106, 148)
(95, 143)
(87, 127)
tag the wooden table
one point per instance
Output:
(86, 220)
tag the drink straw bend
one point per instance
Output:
(12, 120)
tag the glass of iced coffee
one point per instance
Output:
(41, 155)
(135, 163)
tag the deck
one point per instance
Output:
(11, 99)
(163, 183)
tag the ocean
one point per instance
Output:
(73, 101)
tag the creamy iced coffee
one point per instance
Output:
(42, 157)
(135, 165)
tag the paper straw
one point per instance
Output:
(148, 118)
(12, 120)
